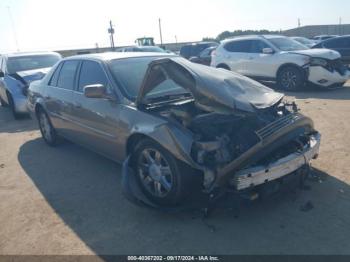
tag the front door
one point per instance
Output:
(95, 119)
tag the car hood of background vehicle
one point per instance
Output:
(319, 52)
(30, 75)
(217, 90)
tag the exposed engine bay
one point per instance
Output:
(219, 139)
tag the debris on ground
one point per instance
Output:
(2, 165)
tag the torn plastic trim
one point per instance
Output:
(255, 176)
(269, 143)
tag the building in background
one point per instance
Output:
(310, 31)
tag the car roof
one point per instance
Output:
(19, 54)
(251, 37)
(118, 55)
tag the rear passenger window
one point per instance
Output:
(91, 73)
(239, 46)
(54, 78)
(67, 75)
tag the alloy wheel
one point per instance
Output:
(155, 173)
(289, 80)
(45, 127)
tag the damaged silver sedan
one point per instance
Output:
(176, 126)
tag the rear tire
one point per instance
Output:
(12, 106)
(48, 132)
(163, 179)
(290, 78)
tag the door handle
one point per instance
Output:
(251, 58)
(77, 105)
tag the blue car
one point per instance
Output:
(17, 71)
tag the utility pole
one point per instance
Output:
(299, 23)
(340, 27)
(111, 32)
(13, 27)
(160, 32)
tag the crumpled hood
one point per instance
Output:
(217, 90)
(319, 52)
(31, 75)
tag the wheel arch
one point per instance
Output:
(223, 66)
(175, 143)
(302, 70)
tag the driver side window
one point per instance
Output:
(91, 73)
(258, 46)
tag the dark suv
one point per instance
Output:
(188, 51)
(340, 44)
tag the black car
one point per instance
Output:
(188, 51)
(204, 57)
(340, 44)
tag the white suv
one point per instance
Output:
(281, 59)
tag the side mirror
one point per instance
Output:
(2, 74)
(95, 91)
(268, 51)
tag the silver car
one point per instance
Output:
(17, 71)
(176, 126)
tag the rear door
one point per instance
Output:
(59, 97)
(237, 55)
(95, 119)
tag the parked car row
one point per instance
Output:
(288, 61)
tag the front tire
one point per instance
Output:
(290, 78)
(163, 179)
(48, 132)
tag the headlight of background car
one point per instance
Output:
(318, 62)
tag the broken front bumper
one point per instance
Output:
(325, 78)
(259, 175)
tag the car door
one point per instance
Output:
(59, 97)
(2, 88)
(95, 119)
(259, 64)
(237, 54)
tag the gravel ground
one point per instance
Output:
(67, 200)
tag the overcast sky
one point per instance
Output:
(65, 24)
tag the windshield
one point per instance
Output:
(304, 41)
(25, 63)
(287, 44)
(129, 74)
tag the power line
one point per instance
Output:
(111, 32)
(160, 32)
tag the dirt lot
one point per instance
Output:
(67, 200)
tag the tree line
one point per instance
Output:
(228, 34)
